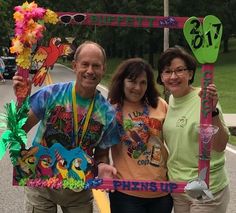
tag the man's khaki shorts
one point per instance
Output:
(45, 200)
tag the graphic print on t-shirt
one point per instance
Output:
(60, 129)
(141, 136)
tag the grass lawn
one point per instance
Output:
(232, 140)
(225, 78)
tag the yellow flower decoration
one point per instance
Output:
(17, 46)
(23, 59)
(29, 6)
(18, 16)
(50, 17)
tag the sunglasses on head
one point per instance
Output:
(68, 18)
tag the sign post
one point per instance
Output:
(204, 40)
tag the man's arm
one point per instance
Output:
(31, 121)
(101, 155)
(18, 84)
(105, 170)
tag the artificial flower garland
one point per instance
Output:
(29, 27)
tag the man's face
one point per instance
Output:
(89, 68)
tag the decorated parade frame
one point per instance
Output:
(39, 165)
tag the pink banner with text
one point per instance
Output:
(121, 20)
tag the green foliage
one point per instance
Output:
(111, 66)
(232, 140)
(6, 29)
(117, 41)
(122, 43)
(224, 78)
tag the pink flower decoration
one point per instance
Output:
(28, 29)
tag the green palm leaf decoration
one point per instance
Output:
(3, 127)
(14, 138)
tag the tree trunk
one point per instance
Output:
(151, 51)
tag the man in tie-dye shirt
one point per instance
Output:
(73, 116)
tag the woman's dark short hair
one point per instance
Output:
(131, 69)
(172, 53)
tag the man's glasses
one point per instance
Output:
(180, 71)
(68, 19)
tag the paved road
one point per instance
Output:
(11, 198)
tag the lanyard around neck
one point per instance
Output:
(75, 117)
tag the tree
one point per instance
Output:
(224, 10)
(6, 29)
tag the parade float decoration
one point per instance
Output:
(58, 167)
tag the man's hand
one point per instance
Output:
(106, 171)
(21, 86)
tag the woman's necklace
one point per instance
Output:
(131, 136)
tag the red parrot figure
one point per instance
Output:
(43, 167)
(48, 56)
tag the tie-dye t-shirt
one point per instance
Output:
(53, 106)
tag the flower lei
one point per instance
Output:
(29, 27)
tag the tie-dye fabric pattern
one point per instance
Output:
(53, 106)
